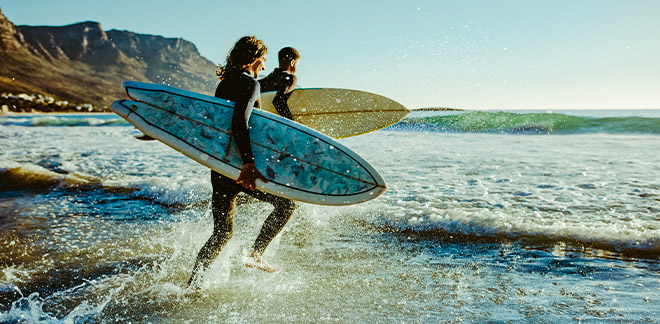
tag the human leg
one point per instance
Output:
(274, 223)
(222, 207)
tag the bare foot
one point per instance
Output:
(256, 261)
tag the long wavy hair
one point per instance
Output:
(246, 50)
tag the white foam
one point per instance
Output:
(456, 188)
(62, 120)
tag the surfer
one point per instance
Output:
(238, 84)
(282, 80)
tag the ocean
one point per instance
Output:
(490, 217)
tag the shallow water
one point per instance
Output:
(485, 226)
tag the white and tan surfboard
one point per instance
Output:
(339, 113)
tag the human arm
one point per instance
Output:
(282, 96)
(241, 132)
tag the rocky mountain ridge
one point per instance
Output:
(83, 63)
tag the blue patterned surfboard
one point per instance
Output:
(299, 162)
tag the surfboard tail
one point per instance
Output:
(120, 108)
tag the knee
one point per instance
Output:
(224, 233)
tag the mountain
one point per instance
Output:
(83, 63)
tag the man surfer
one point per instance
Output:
(282, 80)
(238, 84)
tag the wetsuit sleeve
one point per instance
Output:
(239, 124)
(267, 84)
(282, 96)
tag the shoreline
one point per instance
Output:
(536, 109)
(437, 109)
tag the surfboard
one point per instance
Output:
(300, 163)
(340, 113)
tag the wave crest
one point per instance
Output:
(168, 191)
(530, 123)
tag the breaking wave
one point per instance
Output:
(530, 123)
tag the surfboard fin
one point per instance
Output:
(144, 137)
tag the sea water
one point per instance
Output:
(500, 217)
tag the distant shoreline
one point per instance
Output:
(437, 109)
(539, 109)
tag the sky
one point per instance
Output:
(479, 54)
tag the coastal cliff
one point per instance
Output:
(83, 63)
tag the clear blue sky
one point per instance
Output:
(505, 54)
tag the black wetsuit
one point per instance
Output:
(284, 83)
(243, 90)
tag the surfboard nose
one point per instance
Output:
(383, 189)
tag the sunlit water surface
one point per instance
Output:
(477, 226)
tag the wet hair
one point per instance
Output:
(246, 50)
(288, 54)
